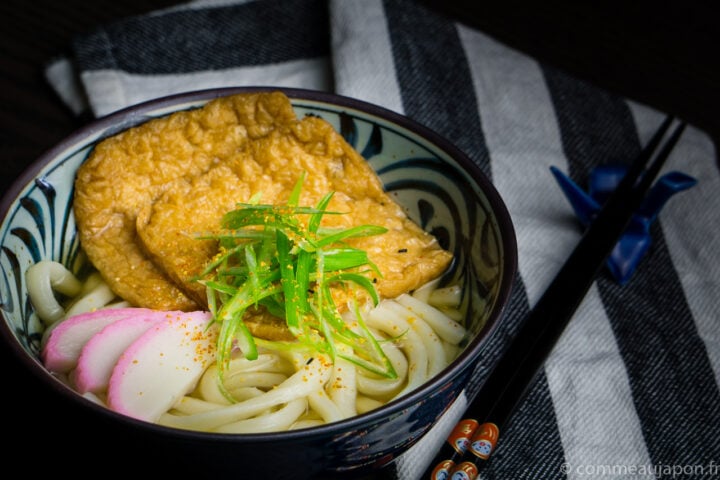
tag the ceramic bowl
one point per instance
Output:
(440, 188)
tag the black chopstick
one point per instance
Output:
(508, 383)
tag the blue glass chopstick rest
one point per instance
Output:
(636, 239)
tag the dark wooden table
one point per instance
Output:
(664, 58)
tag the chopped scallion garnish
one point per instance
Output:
(280, 258)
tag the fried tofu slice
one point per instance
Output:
(144, 195)
(407, 256)
(129, 171)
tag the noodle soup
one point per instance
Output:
(263, 220)
(435, 187)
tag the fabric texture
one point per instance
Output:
(631, 389)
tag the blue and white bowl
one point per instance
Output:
(440, 188)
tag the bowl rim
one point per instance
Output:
(456, 368)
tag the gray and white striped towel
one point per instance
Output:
(631, 389)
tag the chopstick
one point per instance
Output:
(509, 381)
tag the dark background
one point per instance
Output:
(664, 57)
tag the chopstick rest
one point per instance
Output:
(636, 239)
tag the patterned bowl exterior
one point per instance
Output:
(440, 188)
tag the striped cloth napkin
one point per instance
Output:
(631, 389)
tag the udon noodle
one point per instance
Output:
(274, 392)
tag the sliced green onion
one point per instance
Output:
(270, 258)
